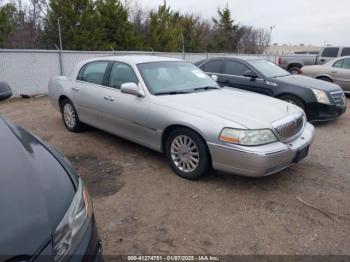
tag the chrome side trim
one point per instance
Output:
(248, 151)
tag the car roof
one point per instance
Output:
(242, 58)
(134, 59)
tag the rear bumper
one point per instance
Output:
(259, 161)
(323, 112)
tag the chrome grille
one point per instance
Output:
(338, 98)
(289, 127)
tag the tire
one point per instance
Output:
(293, 100)
(324, 78)
(294, 70)
(187, 154)
(70, 116)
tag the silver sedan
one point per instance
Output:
(336, 71)
(172, 106)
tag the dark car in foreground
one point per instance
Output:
(321, 101)
(46, 211)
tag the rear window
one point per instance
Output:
(330, 52)
(213, 66)
(346, 51)
(93, 72)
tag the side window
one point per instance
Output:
(339, 63)
(121, 74)
(330, 52)
(235, 68)
(346, 63)
(93, 72)
(213, 66)
(345, 51)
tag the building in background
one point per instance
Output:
(284, 49)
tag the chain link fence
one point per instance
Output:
(29, 71)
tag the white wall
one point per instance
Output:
(29, 71)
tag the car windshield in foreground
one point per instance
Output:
(163, 78)
(267, 68)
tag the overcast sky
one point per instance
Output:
(297, 21)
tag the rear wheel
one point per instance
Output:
(293, 100)
(294, 70)
(324, 78)
(187, 154)
(70, 116)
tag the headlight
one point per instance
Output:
(321, 96)
(74, 224)
(247, 137)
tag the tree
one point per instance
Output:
(165, 32)
(224, 32)
(7, 21)
(117, 31)
(79, 25)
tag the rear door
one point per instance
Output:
(233, 76)
(341, 73)
(87, 92)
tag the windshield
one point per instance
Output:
(175, 77)
(267, 68)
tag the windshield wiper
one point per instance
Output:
(206, 88)
(172, 93)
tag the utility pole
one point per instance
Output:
(60, 48)
(183, 45)
(59, 33)
(269, 39)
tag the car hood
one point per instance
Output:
(244, 109)
(35, 192)
(307, 82)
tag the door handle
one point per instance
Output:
(109, 98)
(75, 88)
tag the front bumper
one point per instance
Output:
(324, 112)
(258, 161)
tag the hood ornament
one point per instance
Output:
(287, 109)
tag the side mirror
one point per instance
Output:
(251, 74)
(131, 89)
(5, 91)
(214, 77)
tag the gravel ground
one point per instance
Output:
(143, 208)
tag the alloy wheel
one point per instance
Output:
(184, 153)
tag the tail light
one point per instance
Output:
(279, 61)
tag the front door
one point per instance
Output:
(125, 115)
(233, 76)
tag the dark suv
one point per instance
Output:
(321, 101)
(46, 211)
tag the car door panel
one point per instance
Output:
(86, 93)
(340, 73)
(125, 115)
(234, 77)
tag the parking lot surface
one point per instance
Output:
(142, 207)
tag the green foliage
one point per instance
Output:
(117, 31)
(165, 30)
(79, 25)
(7, 22)
(224, 32)
(109, 24)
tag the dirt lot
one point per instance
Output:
(143, 208)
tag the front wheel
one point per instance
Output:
(293, 100)
(70, 116)
(187, 154)
(294, 70)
